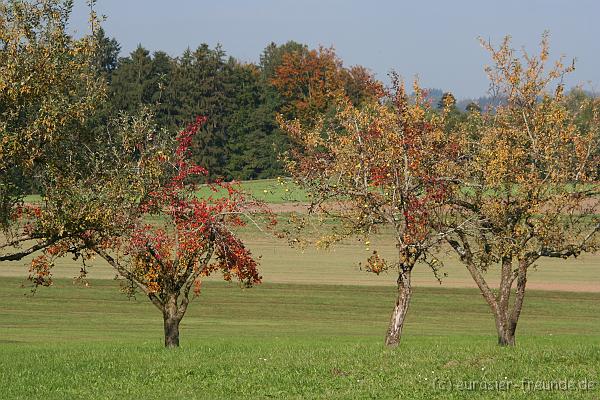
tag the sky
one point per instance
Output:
(434, 40)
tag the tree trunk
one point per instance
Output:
(171, 332)
(506, 318)
(171, 322)
(394, 332)
(506, 333)
(507, 322)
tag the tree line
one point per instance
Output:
(241, 139)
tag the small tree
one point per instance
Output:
(166, 260)
(100, 187)
(526, 188)
(373, 165)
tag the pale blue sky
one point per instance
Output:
(434, 39)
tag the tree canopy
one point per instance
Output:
(527, 185)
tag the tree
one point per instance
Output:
(309, 81)
(134, 83)
(101, 186)
(447, 105)
(166, 261)
(447, 101)
(360, 85)
(372, 165)
(273, 55)
(472, 107)
(586, 108)
(107, 53)
(526, 186)
(254, 140)
(242, 139)
(199, 86)
(49, 86)
(138, 176)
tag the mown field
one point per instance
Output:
(313, 330)
(289, 341)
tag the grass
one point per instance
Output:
(288, 341)
(251, 369)
(273, 191)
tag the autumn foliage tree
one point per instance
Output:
(166, 260)
(100, 189)
(142, 177)
(373, 165)
(309, 81)
(527, 187)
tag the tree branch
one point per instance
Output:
(128, 275)
(24, 253)
(567, 251)
(467, 257)
(191, 279)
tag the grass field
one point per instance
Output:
(273, 191)
(313, 330)
(288, 341)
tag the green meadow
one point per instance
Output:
(294, 341)
(273, 191)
